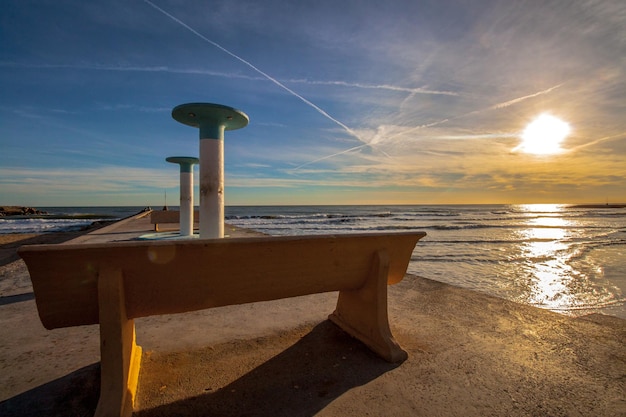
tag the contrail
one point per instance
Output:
(494, 107)
(331, 156)
(418, 90)
(595, 142)
(269, 77)
(517, 100)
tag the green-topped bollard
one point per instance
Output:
(212, 120)
(186, 191)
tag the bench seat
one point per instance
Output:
(111, 284)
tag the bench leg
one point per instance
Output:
(362, 313)
(120, 357)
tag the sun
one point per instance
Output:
(543, 136)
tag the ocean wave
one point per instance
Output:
(590, 306)
(303, 229)
(300, 216)
(36, 225)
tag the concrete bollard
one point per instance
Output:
(212, 120)
(186, 191)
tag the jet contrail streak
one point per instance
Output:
(272, 79)
(494, 107)
(376, 87)
(595, 142)
(331, 156)
(517, 100)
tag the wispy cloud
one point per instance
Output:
(134, 107)
(232, 75)
(109, 185)
(129, 68)
(107, 178)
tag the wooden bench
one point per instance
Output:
(168, 216)
(113, 283)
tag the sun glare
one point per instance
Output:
(543, 136)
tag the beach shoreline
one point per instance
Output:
(469, 354)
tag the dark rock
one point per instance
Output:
(19, 211)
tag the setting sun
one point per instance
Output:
(543, 136)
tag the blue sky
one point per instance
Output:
(350, 102)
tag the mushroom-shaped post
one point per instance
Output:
(186, 191)
(212, 120)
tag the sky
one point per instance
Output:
(349, 101)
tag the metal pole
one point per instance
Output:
(212, 120)
(186, 191)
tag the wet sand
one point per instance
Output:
(470, 354)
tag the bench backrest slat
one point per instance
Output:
(164, 277)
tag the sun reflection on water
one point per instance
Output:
(544, 246)
(546, 261)
(558, 269)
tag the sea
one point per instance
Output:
(568, 259)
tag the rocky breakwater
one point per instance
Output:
(19, 211)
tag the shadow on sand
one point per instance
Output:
(75, 394)
(299, 381)
(11, 299)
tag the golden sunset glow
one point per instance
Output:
(544, 135)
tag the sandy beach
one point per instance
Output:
(470, 354)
